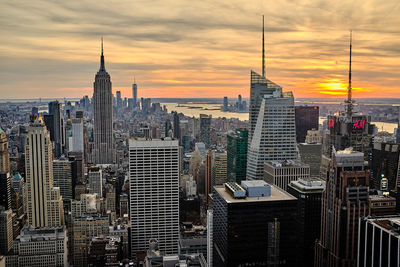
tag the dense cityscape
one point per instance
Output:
(113, 180)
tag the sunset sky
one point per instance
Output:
(202, 48)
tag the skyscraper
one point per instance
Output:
(134, 93)
(205, 128)
(306, 119)
(76, 144)
(311, 152)
(104, 151)
(253, 225)
(344, 201)
(4, 155)
(55, 110)
(272, 132)
(154, 194)
(5, 190)
(177, 128)
(62, 171)
(349, 128)
(95, 181)
(237, 155)
(308, 219)
(225, 108)
(44, 202)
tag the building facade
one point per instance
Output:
(4, 155)
(205, 129)
(306, 119)
(272, 132)
(104, 150)
(237, 155)
(281, 173)
(344, 201)
(154, 194)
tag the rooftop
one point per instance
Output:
(286, 163)
(277, 194)
(135, 143)
(311, 184)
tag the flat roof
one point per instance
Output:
(152, 143)
(277, 194)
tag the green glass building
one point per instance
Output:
(237, 155)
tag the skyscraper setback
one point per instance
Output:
(104, 151)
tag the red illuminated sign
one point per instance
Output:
(359, 124)
(331, 123)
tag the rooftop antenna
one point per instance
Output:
(263, 49)
(349, 101)
(102, 68)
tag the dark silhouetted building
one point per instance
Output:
(306, 119)
(253, 225)
(308, 219)
(5, 190)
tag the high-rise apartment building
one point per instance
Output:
(4, 155)
(281, 173)
(306, 119)
(308, 218)
(344, 201)
(253, 225)
(154, 194)
(104, 151)
(40, 247)
(205, 129)
(44, 202)
(272, 132)
(95, 181)
(57, 129)
(237, 155)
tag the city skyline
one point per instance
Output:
(53, 52)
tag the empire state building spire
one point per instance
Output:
(102, 67)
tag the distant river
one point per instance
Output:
(195, 109)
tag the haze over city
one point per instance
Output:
(198, 49)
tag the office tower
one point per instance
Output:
(186, 143)
(18, 196)
(95, 181)
(134, 93)
(237, 155)
(272, 129)
(110, 198)
(311, 152)
(344, 200)
(210, 237)
(306, 119)
(225, 107)
(205, 128)
(79, 114)
(4, 155)
(379, 241)
(281, 173)
(384, 164)
(349, 128)
(85, 227)
(62, 178)
(253, 225)
(6, 230)
(5, 190)
(119, 100)
(308, 219)
(177, 129)
(76, 141)
(57, 129)
(167, 128)
(44, 203)
(105, 251)
(219, 168)
(154, 194)
(104, 151)
(123, 205)
(40, 247)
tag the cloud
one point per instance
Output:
(50, 48)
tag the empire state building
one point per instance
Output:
(104, 151)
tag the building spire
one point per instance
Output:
(102, 67)
(349, 89)
(263, 49)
